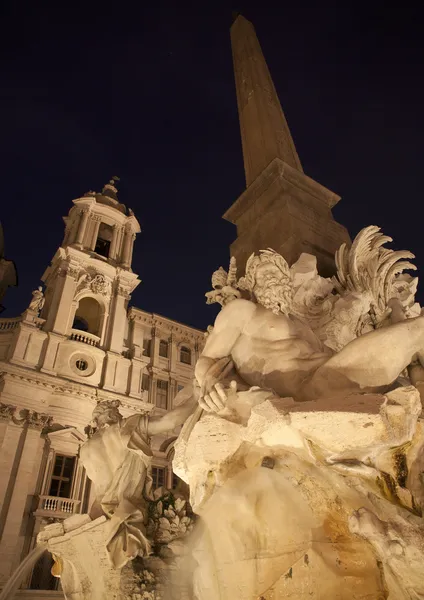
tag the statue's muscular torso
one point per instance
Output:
(268, 350)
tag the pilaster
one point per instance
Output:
(117, 320)
(172, 392)
(152, 388)
(154, 346)
(173, 352)
(18, 512)
(59, 312)
(135, 377)
(10, 437)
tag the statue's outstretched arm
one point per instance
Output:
(177, 416)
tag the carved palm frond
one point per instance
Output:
(369, 268)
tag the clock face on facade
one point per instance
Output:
(82, 364)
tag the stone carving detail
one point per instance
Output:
(38, 300)
(224, 285)
(6, 411)
(33, 419)
(122, 291)
(36, 420)
(73, 271)
(95, 282)
(169, 520)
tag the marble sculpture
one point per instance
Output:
(304, 458)
(303, 446)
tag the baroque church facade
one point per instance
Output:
(79, 343)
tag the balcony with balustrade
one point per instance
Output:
(84, 337)
(8, 325)
(57, 508)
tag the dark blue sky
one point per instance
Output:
(88, 92)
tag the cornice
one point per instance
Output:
(155, 320)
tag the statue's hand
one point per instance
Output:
(217, 399)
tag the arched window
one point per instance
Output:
(185, 355)
(88, 316)
(80, 324)
(104, 239)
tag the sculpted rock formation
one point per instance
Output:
(304, 458)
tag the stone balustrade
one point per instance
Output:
(55, 506)
(84, 337)
(9, 324)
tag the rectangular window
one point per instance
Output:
(185, 355)
(161, 393)
(63, 472)
(145, 380)
(146, 347)
(158, 476)
(163, 349)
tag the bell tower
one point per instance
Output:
(88, 286)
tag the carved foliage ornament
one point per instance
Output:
(224, 285)
(95, 282)
(34, 419)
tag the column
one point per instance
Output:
(18, 515)
(119, 243)
(82, 225)
(95, 232)
(113, 244)
(169, 476)
(126, 252)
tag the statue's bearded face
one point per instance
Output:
(272, 288)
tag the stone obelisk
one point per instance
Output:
(282, 208)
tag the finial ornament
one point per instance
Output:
(111, 186)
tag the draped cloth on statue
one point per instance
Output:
(117, 459)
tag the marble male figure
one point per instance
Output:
(117, 458)
(274, 349)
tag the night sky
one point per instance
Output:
(148, 94)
